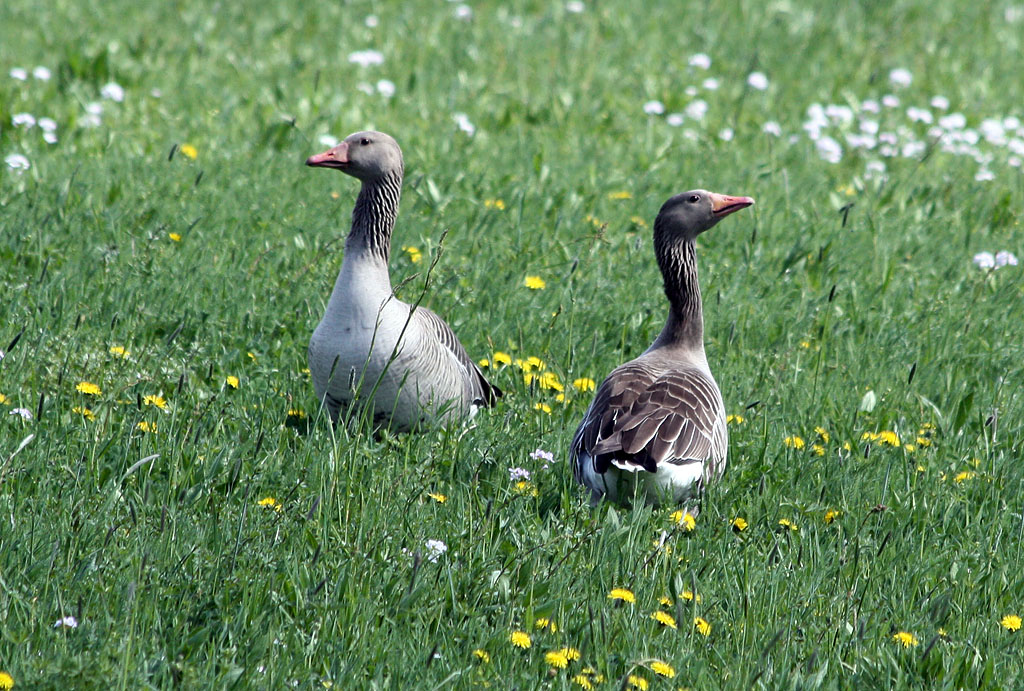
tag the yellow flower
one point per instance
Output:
(438, 497)
(923, 442)
(583, 681)
(735, 419)
(482, 655)
(818, 449)
(637, 220)
(498, 204)
(869, 436)
(146, 426)
(583, 384)
(119, 351)
(823, 433)
(556, 658)
(88, 388)
(520, 639)
(909, 448)
(665, 619)
(688, 521)
(920, 468)
(905, 639)
(663, 669)
(232, 381)
(545, 623)
(794, 443)
(414, 253)
(6, 681)
(689, 596)
(270, 503)
(175, 237)
(84, 412)
(889, 437)
(534, 282)
(831, 515)
(547, 380)
(943, 634)
(702, 626)
(158, 401)
(622, 594)
(571, 654)
(189, 151)
(542, 406)
(1011, 622)
(296, 413)
(739, 524)
(484, 362)
(964, 475)
(4, 400)
(665, 600)
(623, 194)
(501, 358)
(786, 523)
(526, 487)
(637, 682)
(805, 344)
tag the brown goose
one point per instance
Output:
(371, 346)
(659, 421)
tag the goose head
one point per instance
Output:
(365, 155)
(691, 213)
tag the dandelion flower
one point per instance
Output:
(296, 413)
(119, 351)
(907, 640)
(665, 619)
(818, 449)
(739, 524)
(146, 426)
(88, 388)
(794, 443)
(735, 419)
(190, 151)
(546, 623)
(4, 400)
(583, 384)
(438, 497)
(1011, 622)
(786, 523)
(498, 204)
(232, 381)
(637, 682)
(702, 626)
(571, 654)
(889, 437)
(823, 434)
(520, 639)
(543, 407)
(688, 521)
(689, 596)
(963, 476)
(158, 401)
(583, 681)
(482, 655)
(557, 659)
(174, 237)
(622, 594)
(415, 256)
(534, 282)
(527, 488)
(501, 358)
(622, 194)
(665, 600)
(6, 681)
(663, 669)
(831, 515)
(270, 503)
(84, 412)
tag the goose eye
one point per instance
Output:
(694, 198)
(364, 141)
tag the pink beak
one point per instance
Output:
(336, 157)
(722, 204)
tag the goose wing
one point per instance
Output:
(483, 391)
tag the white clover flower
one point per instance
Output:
(366, 58)
(1005, 258)
(19, 73)
(985, 260)
(435, 548)
(701, 60)
(900, 77)
(26, 120)
(874, 170)
(919, 115)
(758, 80)
(984, 175)
(328, 140)
(68, 622)
(386, 88)
(25, 413)
(726, 134)
(691, 91)
(829, 149)
(711, 84)
(913, 149)
(993, 131)
(675, 119)
(697, 109)
(50, 137)
(773, 128)
(517, 474)
(939, 102)
(464, 12)
(654, 107)
(1016, 146)
(574, 6)
(1012, 122)
(839, 114)
(41, 73)
(94, 108)
(371, 21)
(890, 101)
(871, 106)
(17, 162)
(464, 124)
(47, 124)
(953, 121)
(860, 141)
(112, 91)
(869, 126)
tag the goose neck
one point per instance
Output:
(684, 327)
(373, 217)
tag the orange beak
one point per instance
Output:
(722, 204)
(336, 157)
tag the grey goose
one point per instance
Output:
(656, 427)
(371, 347)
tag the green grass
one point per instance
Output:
(179, 578)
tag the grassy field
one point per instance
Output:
(171, 497)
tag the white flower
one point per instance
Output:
(19, 73)
(984, 175)
(574, 6)
(993, 132)
(697, 109)
(47, 124)
(464, 124)
(517, 474)
(1016, 146)
(26, 120)
(870, 106)
(50, 137)
(94, 108)
(654, 107)
(41, 73)
(675, 119)
(939, 102)
(900, 77)
(90, 120)
(869, 126)
(366, 58)
(758, 80)
(829, 149)
(464, 12)
(365, 87)
(842, 115)
(328, 140)
(386, 88)
(874, 169)
(1005, 258)
(726, 134)
(700, 60)
(953, 121)
(68, 622)
(25, 413)
(112, 91)
(1011, 122)
(542, 455)
(435, 548)
(371, 21)
(711, 84)
(860, 141)
(773, 128)
(691, 91)
(156, 93)
(913, 149)
(890, 101)
(985, 260)
(919, 115)
(17, 162)
(1015, 161)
